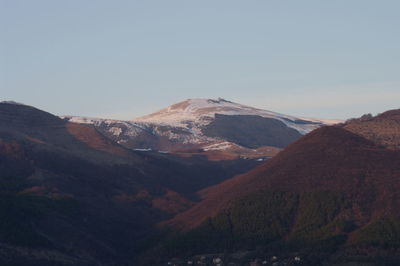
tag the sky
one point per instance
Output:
(123, 59)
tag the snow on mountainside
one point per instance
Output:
(194, 113)
(141, 135)
(205, 124)
(134, 129)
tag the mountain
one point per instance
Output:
(195, 114)
(332, 196)
(71, 196)
(210, 126)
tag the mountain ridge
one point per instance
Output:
(71, 196)
(326, 145)
(199, 108)
(331, 196)
(193, 125)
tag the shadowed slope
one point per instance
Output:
(330, 158)
(70, 196)
(46, 132)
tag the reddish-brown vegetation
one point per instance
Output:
(330, 158)
(91, 137)
(383, 129)
(171, 202)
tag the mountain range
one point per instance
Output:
(69, 195)
(189, 185)
(218, 128)
(332, 196)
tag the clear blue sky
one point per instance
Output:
(122, 59)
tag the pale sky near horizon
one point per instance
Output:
(122, 59)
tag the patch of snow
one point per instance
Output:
(113, 126)
(90, 120)
(323, 121)
(143, 149)
(116, 131)
(218, 146)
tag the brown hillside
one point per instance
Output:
(329, 158)
(89, 135)
(383, 129)
(66, 188)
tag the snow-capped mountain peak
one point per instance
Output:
(193, 109)
(200, 112)
(205, 124)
